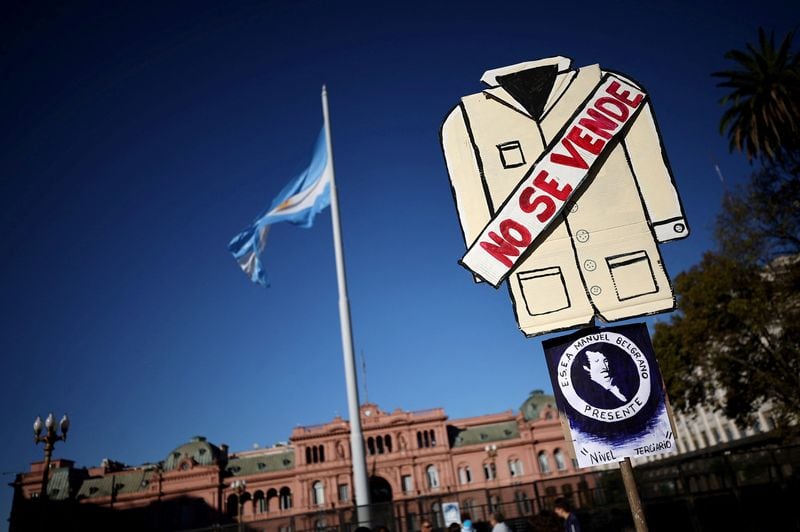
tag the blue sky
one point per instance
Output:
(137, 140)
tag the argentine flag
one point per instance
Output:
(298, 203)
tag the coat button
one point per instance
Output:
(590, 265)
(582, 235)
(595, 290)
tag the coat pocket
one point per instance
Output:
(543, 290)
(632, 274)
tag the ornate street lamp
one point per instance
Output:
(239, 486)
(49, 439)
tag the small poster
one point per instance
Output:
(608, 388)
(452, 514)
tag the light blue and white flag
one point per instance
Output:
(298, 203)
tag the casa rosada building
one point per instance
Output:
(411, 456)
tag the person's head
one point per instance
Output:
(496, 517)
(425, 526)
(562, 507)
(454, 527)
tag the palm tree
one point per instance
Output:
(763, 115)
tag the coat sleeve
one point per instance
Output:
(647, 158)
(464, 168)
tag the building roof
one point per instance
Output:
(485, 433)
(261, 463)
(58, 485)
(536, 402)
(131, 481)
(198, 450)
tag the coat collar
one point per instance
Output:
(499, 93)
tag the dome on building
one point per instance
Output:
(197, 450)
(536, 402)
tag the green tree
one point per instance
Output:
(734, 343)
(761, 119)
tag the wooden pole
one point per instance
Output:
(633, 495)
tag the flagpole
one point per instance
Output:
(356, 435)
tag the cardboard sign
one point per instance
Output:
(562, 188)
(608, 388)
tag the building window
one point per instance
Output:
(465, 475)
(436, 511)
(728, 432)
(494, 503)
(425, 439)
(380, 444)
(523, 503)
(285, 498)
(388, 441)
(318, 493)
(408, 483)
(489, 471)
(561, 463)
(469, 506)
(232, 505)
(371, 445)
(259, 502)
(315, 454)
(433, 476)
(544, 463)
(344, 492)
(515, 468)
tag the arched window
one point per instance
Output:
(561, 462)
(371, 445)
(465, 474)
(233, 505)
(494, 503)
(320, 524)
(259, 502)
(315, 454)
(544, 463)
(515, 468)
(433, 438)
(388, 441)
(426, 438)
(419, 440)
(285, 498)
(489, 471)
(321, 453)
(433, 476)
(308, 455)
(272, 497)
(380, 444)
(318, 493)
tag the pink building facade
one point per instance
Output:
(415, 461)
